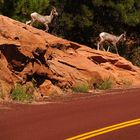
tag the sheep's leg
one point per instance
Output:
(32, 21)
(102, 43)
(28, 22)
(108, 48)
(102, 48)
(47, 28)
(116, 49)
(98, 45)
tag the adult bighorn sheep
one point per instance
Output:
(46, 20)
(112, 39)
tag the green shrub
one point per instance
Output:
(81, 87)
(126, 82)
(2, 96)
(105, 84)
(20, 93)
(135, 57)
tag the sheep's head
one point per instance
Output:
(124, 36)
(54, 12)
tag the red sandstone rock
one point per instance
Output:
(27, 53)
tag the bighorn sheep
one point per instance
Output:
(112, 39)
(46, 20)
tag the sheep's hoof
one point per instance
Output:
(46, 31)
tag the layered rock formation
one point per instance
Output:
(56, 64)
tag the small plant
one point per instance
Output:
(105, 84)
(127, 82)
(81, 87)
(20, 93)
(2, 96)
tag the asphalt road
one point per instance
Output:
(65, 118)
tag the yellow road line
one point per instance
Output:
(105, 130)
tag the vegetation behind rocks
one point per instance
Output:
(83, 20)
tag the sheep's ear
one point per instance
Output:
(125, 33)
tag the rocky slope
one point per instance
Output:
(55, 64)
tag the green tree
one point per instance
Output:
(1, 5)
(135, 56)
(75, 21)
(22, 9)
(82, 20)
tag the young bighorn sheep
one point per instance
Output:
(112, 39)
(46, 20)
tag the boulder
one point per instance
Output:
(47, 89)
